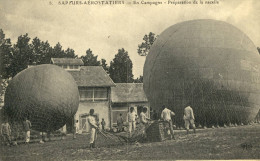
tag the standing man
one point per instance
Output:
(166, 116)
(131, 120)
(143, 118)
(74, 128)
(120, 122)
(77, 126)
(93, 127)
(189, 119)
(27, 127)
(144, 122)
(6, 132)
(103, 124)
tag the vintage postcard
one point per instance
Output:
(129, 80)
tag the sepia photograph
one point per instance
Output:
(129, 80)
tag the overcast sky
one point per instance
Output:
(105, 29)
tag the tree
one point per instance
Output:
(22, 55)
(57, 51)
(121, 67)
(36, 50)
(70, 53)
(3, 86)
(5, 56)
(17, 57)
(43, 52)
(104, 65)
(46, 53)
(144, 47)
(89, 59)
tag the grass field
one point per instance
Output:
(242, 142)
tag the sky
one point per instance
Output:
(105, 29)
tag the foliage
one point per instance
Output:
(104, 65)
(17, 57)
(5, 55)
(22, 55)
(144, 47)
(121, 67)
(3, 86)
(89, 59)
(42, 51)
(26, 51)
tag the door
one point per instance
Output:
(84, 124)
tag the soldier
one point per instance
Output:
(120, 122)
(166, 116)
(103, 124)
(27, 128)
(143, 117)
(93, 127)
(131, 120)
(6, 132)
(189, 119)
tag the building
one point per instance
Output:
(69, 64)
(98, 91)
(126, 95)
(95, 92)
(94, 86)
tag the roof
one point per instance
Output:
(128, 92)
(66, 61)
(92, 76)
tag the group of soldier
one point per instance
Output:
(6, 132)
(166, 116)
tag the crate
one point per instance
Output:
(157, 131)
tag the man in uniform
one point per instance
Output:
(131, 120)
(93, 127)
(27, 128)
(166, 116)
(120, 122)
(189, 119)
(103, 124)
(6, 132)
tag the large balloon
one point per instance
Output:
(209, 64)
(46, 94)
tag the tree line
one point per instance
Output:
(16, 57)
(26, 51)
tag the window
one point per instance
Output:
(71, 67)
(100, 93)
(86, 94)
(93, 94)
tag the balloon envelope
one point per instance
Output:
(208, 64)
(45, 94)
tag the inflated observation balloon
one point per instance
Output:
(46, 94)
(210, 64)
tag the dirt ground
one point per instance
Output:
(242, 142)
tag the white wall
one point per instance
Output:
(101, 108)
